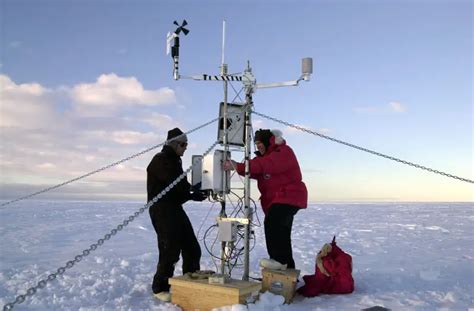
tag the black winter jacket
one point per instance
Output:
(163, 169)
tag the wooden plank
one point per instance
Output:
(191, 295)
(237, 286)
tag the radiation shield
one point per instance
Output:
(235, 124)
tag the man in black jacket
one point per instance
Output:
(173, 228)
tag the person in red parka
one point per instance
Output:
(282, 190)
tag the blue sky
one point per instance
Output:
(86, 83)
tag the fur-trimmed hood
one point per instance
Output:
(276, 141)
(278, 137)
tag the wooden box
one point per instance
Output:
(280, 282)
(192, 295)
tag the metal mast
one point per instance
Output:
(226, 148)
(248, 150)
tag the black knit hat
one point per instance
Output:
(263, 136)
(176, 132)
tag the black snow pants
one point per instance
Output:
(175, 236)
(278, 223)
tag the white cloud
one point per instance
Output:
(7, 85)
(46, 166)
(41, 127)
(397, 107)
(111, 90)
(25, 106)
(133, 137)
(122, 137)
(90, 158)
(160, 121)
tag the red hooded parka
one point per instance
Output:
(278, 175)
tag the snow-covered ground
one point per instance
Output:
(405, 256)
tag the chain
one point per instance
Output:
(365, 149)
(41, 284)
(105, 167)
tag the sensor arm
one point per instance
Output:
(306, 68)
(276, 84)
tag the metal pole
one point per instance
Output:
(226, 149)
(224, 173)
(247, 209)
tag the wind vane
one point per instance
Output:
(175, 36)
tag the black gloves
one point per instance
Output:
(196, 187)
(198, 196)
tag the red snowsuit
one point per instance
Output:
(278, 176)
(338, 265)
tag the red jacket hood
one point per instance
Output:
(276, 141)
(278, 175)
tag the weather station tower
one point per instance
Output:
(234, 131)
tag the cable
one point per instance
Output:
(203, 220)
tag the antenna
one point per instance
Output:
(250, 85)
(223, 41)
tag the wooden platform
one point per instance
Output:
(280, 282)
(192, 295)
